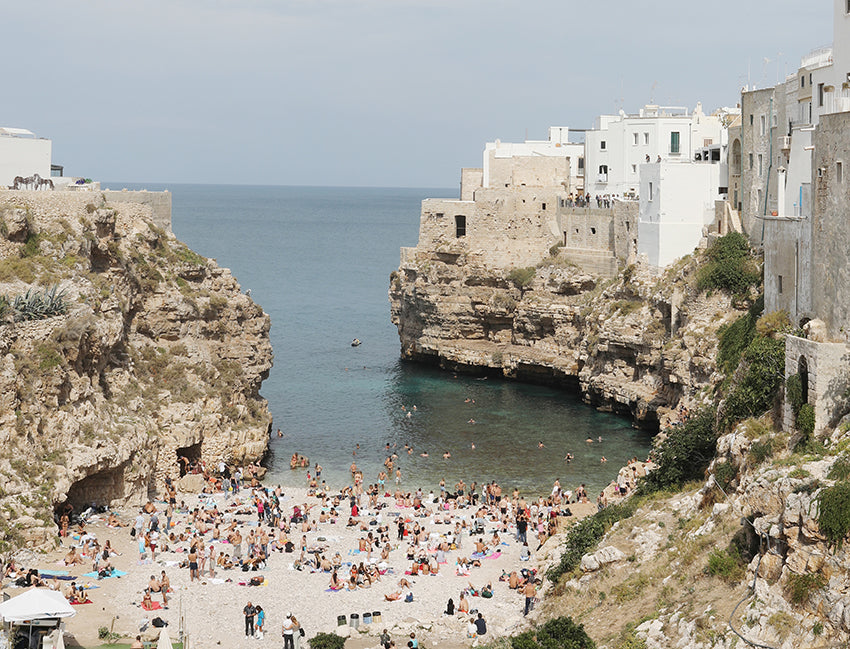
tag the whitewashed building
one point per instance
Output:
(677, 203)
(618, 145)
(23, 154)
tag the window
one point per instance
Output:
(440, 215)
(543, 205)
(779, 283)
(592, 230)
(751, 120)
(602, 145)
(650, 191)
(581, 164)
(646, 135)
(803, 81)
(636, 138)
(634, 169)
(820, 90)
(460, 226)
(847, 7)
(674, 142)
(762, 122)
(839, 172)
(751, 162)
(761, 160)
(708, 141)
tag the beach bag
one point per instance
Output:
(408, 597)
(301, 632)
(133, 532)
(159, 622)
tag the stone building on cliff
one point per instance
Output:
(792, 160)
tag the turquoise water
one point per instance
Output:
(318, 260)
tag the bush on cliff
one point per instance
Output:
(586, 533)
(684, 455)
(558, 633)
(734, 338)
(730, 266)
(757, 382)
(522, 276)
(834, 513)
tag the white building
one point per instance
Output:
(676, 205)
(23, 154)
(619, 144)
(535, 163)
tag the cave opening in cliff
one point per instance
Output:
(189, 458)
(98, 490)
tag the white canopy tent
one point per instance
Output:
(37, 608)
(36, 604)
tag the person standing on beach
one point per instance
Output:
(530, 591)
(288, 631)
(249, 611)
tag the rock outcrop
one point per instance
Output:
(156, 355)
(642, 344)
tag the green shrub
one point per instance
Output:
(326, 641)
(36, 305)
(834, 513)
(730, 267)
(840, 469)
(559, 633)
(724, 474)
(773, 322)
(586, 533)
(726, 564)
(522, 276)
(553, 251)
(734, 338)
(805, 421)
(801, 587)
(799, 474)
(794, 392)
(761, 449)
(755, 390)
(684, 455)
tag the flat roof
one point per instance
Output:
(17, 132)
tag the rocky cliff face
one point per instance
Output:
(640, 344)
(157, 355)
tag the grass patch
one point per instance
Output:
(522, 277)
(726, 564)
(834, 513)
(800, 588)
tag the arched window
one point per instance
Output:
(803, 371)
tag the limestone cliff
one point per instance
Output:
(640, 344)
(155, 353)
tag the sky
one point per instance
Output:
(383, 93)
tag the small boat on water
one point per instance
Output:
(356, 342)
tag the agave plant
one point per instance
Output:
(38, 305)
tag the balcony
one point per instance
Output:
(602, 179)
(785, 142)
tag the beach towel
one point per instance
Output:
(54, 573)
(88, 601)
(115, 573)
(153, 606)
(495, 555)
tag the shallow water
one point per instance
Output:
(318, 260)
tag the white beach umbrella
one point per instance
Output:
(164, 641)
(60, 640)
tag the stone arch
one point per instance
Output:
(736, 156)
(803, 373)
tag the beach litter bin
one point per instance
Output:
(341, 620)
(376, 617)
(354, 621)
(367, 618)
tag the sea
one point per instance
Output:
(318, 260)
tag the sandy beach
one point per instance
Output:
(212, 607)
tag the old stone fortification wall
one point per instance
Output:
(827, 366)
(159, 355)
(830, 234)
(153, 206)
(470, 180)
(530, 171)
(502, 227)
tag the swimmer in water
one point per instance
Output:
(540, 445)
(446, 455)
(409, 414)
(589, 440)
(473, 446)
(568, 457)
(471, 421)
(604, 459)
(423, 454)
(599, 439)
(279, 432)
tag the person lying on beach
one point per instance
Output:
(72, 558)
(335, 583)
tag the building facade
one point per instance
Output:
(22, 154)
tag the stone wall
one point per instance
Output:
(755, 104)
(502, 227)
(599, 241)
(528, 171)
(787, 254)
(827, 367)
(470, 180)
(131, 205)
(830, 229)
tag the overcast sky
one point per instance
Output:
(365, 92)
